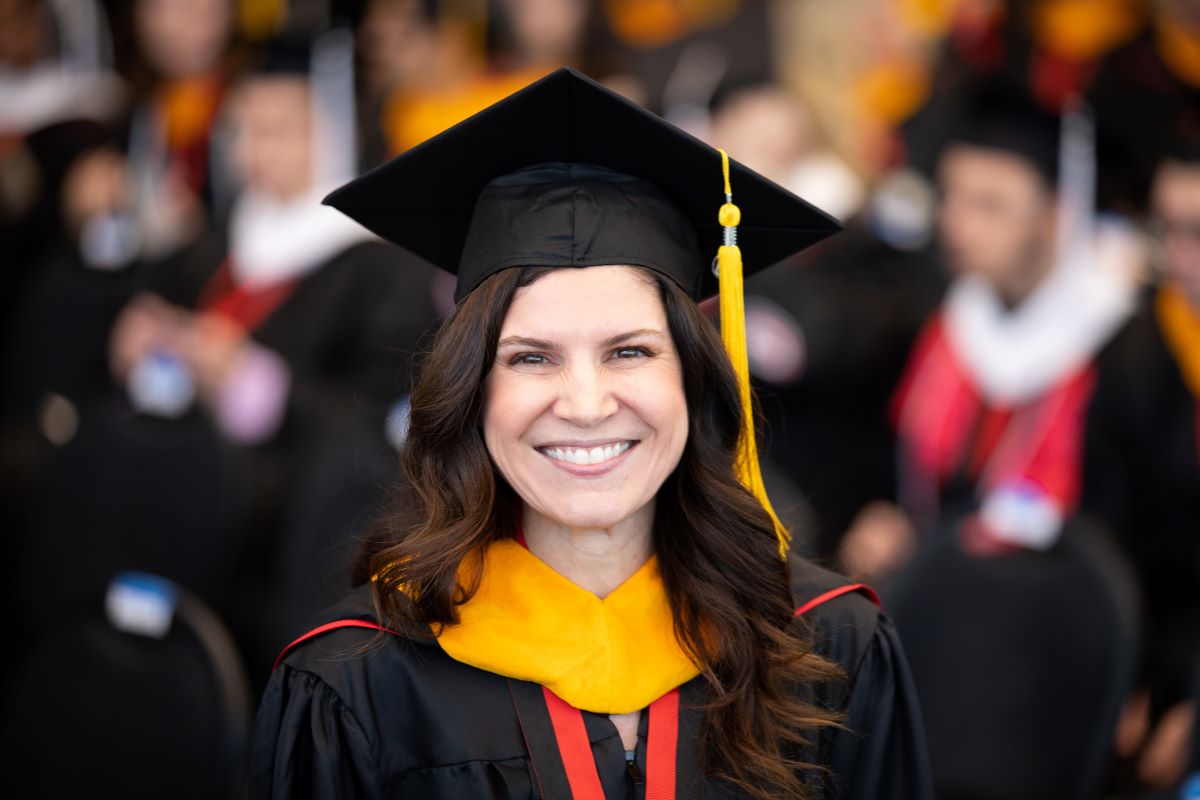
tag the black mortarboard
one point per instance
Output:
(568, 173)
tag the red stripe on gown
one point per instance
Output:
(662, 744)
(574, 747)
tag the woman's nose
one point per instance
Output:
(585, 398)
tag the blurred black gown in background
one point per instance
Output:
(1142, 480)
(262, 532)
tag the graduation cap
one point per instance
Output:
(566, 173)
(996, 115)
(439, 199)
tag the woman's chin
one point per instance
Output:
(592, 522)
(592, 515)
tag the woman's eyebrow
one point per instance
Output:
(542, 344)
(522, 341)
(623, 337)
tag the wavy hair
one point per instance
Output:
(729, 591)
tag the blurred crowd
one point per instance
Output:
(983, 396)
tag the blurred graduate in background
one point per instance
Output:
(61, 196)
(256, 375)
(1142, 470)
(981, 555)
(989, 413)
(55, 67)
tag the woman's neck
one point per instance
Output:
(596, 559)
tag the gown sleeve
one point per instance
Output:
(881, 751)
(307, 743)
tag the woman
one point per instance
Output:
(586, 602)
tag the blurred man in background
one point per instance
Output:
(981, 556)
(1142, 473)
(989, 413)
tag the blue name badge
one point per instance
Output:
(141, 604)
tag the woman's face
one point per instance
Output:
(584, 411)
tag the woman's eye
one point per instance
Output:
(631, 352)
(530, 359)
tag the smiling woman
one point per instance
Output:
(585, 596)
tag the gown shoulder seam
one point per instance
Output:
(872, 643)
(342, 702)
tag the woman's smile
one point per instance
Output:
(588, 459)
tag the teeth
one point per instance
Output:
(585, 456)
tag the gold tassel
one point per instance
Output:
(733, 333)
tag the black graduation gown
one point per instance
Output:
(348, 716)
(348, 330)
(264, 532)
(52, 345)
(1142, 480)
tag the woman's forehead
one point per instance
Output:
(592, 302)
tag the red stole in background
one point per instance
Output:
(247, 307)
(946, 428)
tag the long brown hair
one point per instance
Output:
(729, 590)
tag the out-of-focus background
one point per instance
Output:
(983, 396)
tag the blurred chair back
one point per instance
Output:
(1021, 661)
(134, 492)
(143, 696)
